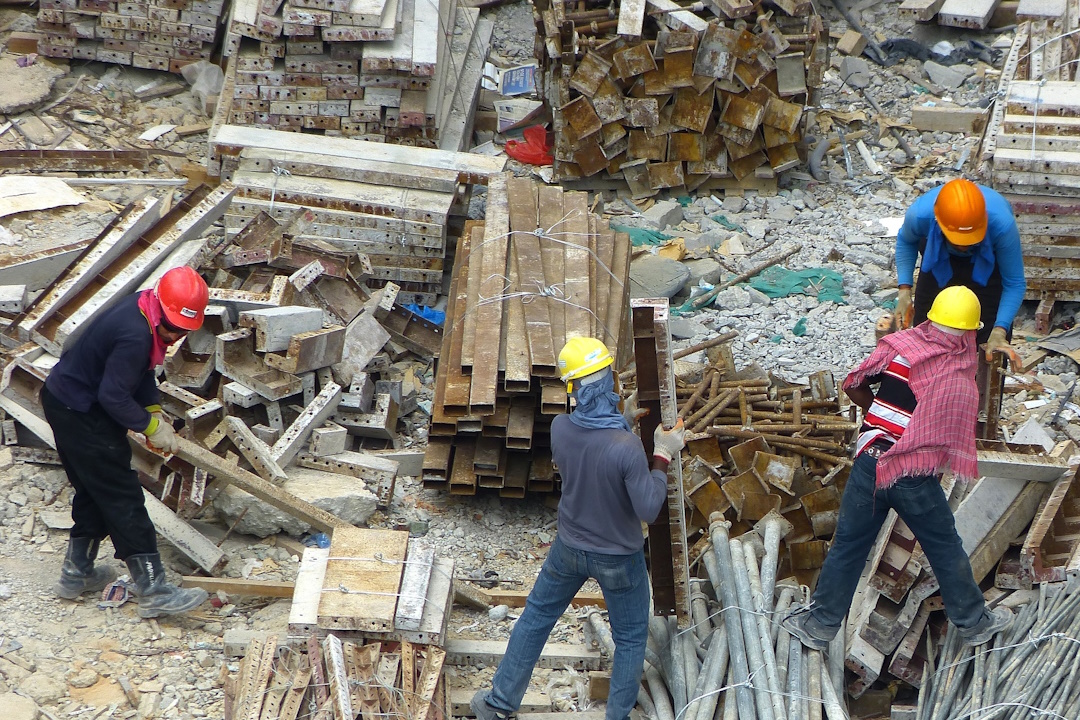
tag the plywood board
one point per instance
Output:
(363, 577)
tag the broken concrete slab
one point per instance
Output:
(364, 338)
(656, 276)
(275, 327)
(25, 87)
(705, 269)
(855, 72)
(346, 497)
(665, 213)
(947, 76)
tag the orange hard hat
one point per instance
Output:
(960, 210)
(183, 296)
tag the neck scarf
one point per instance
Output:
(937, 259)
(941, 432)
(151, 310)
(598, 406)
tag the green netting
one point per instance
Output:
(826, 285)
(642, 236)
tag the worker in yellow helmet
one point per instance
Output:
(608, 490)
(920, 420)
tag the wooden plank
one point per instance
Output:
(239, 586)
(1017, 466)
(307, 591)
(532, 702)
(362, 170)
(440, 597)
(470, 167)
(492, 286)
(362, 580)
(414, 584)
(516, 598)
(948, 118)
(490, 652)
(185, 538)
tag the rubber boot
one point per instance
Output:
(156, 595)
(78, 574)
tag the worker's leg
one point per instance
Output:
(862, 513)
(922, 504)
(625, 584)
(562, 575)
(97, 458)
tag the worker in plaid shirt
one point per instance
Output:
(920, 422)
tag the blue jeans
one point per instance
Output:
(921, 503)
(625, 585)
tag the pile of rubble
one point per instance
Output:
(666, 97)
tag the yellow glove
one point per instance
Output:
(159, 433)
(905, 313)
(998, 343)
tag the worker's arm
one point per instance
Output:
(913, 232)
(862, 396)
(1010, 263)
(646, 486)
(124, 373)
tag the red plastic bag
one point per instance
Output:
(535, 150)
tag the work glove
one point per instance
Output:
(905, 313)
(667, 444)
(160, 434)
(997, 342)
(631, 412)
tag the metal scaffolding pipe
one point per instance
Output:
(703, 699)
(603, 632)
(768, 652)
(794, 679)
(835, 660)
(833, 709)
(783, 604)
(772, 527)
(699, 609)
(659, 693)
(692, 666)
(677, 679)
(813, 671)
(754, 655)
(718, 535)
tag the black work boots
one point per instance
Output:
(78, 574)
(156, 596)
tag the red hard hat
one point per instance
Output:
(183, 296)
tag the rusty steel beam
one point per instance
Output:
(75, 160)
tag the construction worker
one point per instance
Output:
(921, 420)
(967, 235)
(103, 386)
(608, 490)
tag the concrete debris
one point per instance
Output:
(657, 276)
(950, 77)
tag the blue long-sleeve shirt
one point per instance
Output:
(109, 365)
(1001, 232)
(608, 489)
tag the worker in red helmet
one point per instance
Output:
(103, 386)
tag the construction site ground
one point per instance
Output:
(73, 654)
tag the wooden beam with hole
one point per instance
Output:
(473, 653)
(239, 586)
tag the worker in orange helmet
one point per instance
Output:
(102, 386)
(967, 235)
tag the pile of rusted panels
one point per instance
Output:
(343, 680)
(664, 97)
(539, 270)
(158, 35)
(402, 71)
(391, 203)
(1033, 153)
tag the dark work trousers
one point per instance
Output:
(94, 451)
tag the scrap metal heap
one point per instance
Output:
(540, 269)
(1031, 151)
(400, 71)
(666, 97)
(154, 34)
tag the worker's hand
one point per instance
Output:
(667, 444)
(998, 343)
(905, 313)
(162, 435)
(631, 412)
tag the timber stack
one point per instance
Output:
(1033, 154)
(666, 97)
(399, 71)
(156, 35)
(539, 270)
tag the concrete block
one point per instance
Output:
(946, 117)
(361, 392)
(330, 439)
(855, 72)
(266, 433)
(275, 327)
(852, 43)
(12, 298)
(364, 338)
(236, 394)
(950, 77)
(664, 214)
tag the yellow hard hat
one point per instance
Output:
(956, 307)
(582, 356)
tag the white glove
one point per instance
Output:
(631, 412)
(667, 444)
(163, 437)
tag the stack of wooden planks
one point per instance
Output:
(152, 34)
(665, 97)
(539, 270)
(1033, 152)
(343, 680)
(401, 71)
(391, 203)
